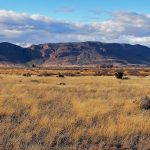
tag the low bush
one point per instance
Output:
(145, 104)
(62, 83)
(60, 75)
(27, 75)
(119, 75)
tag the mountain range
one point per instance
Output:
(74, 54)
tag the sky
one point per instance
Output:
(26, 22)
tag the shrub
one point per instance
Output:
(27, 75)
(61, 75)
(33, 66)
(62, 83)
(119, 75)
(145, 104)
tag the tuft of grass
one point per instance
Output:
(88, 112)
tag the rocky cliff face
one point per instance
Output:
(84, 53)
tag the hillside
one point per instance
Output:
(12, 54)
(84, 53)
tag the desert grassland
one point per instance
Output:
(86, 112)
(72, 71)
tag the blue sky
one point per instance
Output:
(37, 21)
(80, 10)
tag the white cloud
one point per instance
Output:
(122, 27)
(139, 40)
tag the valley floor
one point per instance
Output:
(73, 113)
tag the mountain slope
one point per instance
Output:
(83, 53)
(93, 53)
(13, 54)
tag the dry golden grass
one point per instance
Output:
(74, 71)
(86, 113)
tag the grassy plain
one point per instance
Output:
(75, 71)
(85, 112)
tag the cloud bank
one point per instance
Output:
(124, 27)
